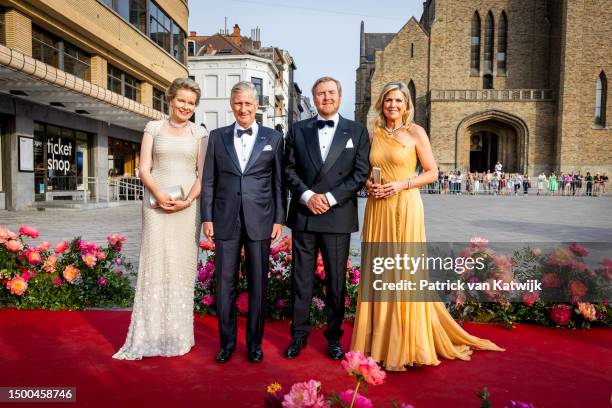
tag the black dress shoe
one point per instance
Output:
(255, 355)
(295, 347)
(223, 356)
(334, 350)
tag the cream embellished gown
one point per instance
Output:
(162, 315)
(400, 334)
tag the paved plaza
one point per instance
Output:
(448, 218)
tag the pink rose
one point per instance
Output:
(347, 301)
(102, 281)
(320, 272)
(242, 303)
(207, 245)
(587, 310)
(529, 298)
(61, 247)
(49, 264)
(89, 260)
(577, 288)
(551, 280)
(280, 304)
(57, 281)
(100, 255)
(578, 249)
(32, 256)
(356, 364)
(29, 231)
(560, 314)
(6, 234)
(43, 246)
(356, 276)
(208, 300)
(561, 257)
(71, 273)
(13, 245)
(17, 285)
(360, 401)
(304, 394)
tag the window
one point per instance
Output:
(601, 90)
(161, 28)
(475, 45)
(258, 82)
(45, 47)
(123, 84)
(178, 43)
(502, 43)
(411, 50)
(488, 47)
(191, 48)
(59, 53)
(2, 27)
(159, 101)
(231, 81)
(210, 86)
(412, 90)
(487, 81)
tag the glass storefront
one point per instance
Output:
(61, 161)
(123, 158)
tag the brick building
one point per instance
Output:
(519, 81)
(79, 79)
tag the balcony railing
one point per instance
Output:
(505, 95)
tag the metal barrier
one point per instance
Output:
(124, 188)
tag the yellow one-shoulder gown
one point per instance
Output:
(396, 333)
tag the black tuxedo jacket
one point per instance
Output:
(343, 174)
(259, 189)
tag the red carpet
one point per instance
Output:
(549, 367)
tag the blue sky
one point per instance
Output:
(322, 36)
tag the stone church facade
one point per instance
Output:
(524, 82)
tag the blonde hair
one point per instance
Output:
(407, 117)
(183, 83)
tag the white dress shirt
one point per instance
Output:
(326, 136)
(244, 144)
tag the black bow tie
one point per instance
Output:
(241, 132)
(322, 123)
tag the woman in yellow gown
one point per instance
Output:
(398, 333)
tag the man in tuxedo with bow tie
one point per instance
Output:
(326, 164)
(243, 205)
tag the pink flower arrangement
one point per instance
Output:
(536, 251)
(33, 256)
(479, 242)
(551, 280)
(207, 245)
(355, 276)
(587, 310)
(89, 259)
(29, 231)
(280, 304)
(208, 300)
(49, 264)
(578, 249)
(346, 397)
(88, 247)
(61, 247)
(561, 257)
(358, 365)
(13, 245)
(43, 246)
(577, 288)
(304, 395)
(71, 273)
(116, 241)
(318, 303)
(18, 285)
(529, 298)
(560, 314)
(6, 234)
(102, 281)
(242, 303)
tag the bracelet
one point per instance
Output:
(409, 184)
(189, 200)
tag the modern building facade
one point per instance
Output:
(520, 81)
(219, 61)
(79, 79)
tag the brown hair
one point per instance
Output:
(326, 79)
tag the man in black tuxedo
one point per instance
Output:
(242, 205)
(326, 164)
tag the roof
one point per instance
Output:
(220, 43)
(374, 41)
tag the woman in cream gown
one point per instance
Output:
(172, 154)
(396, 333)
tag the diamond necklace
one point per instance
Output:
(391, 131)
(177, 126)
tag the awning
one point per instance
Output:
(25, 77)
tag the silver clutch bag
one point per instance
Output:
(175, 193)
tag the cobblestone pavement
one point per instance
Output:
(448, 218)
